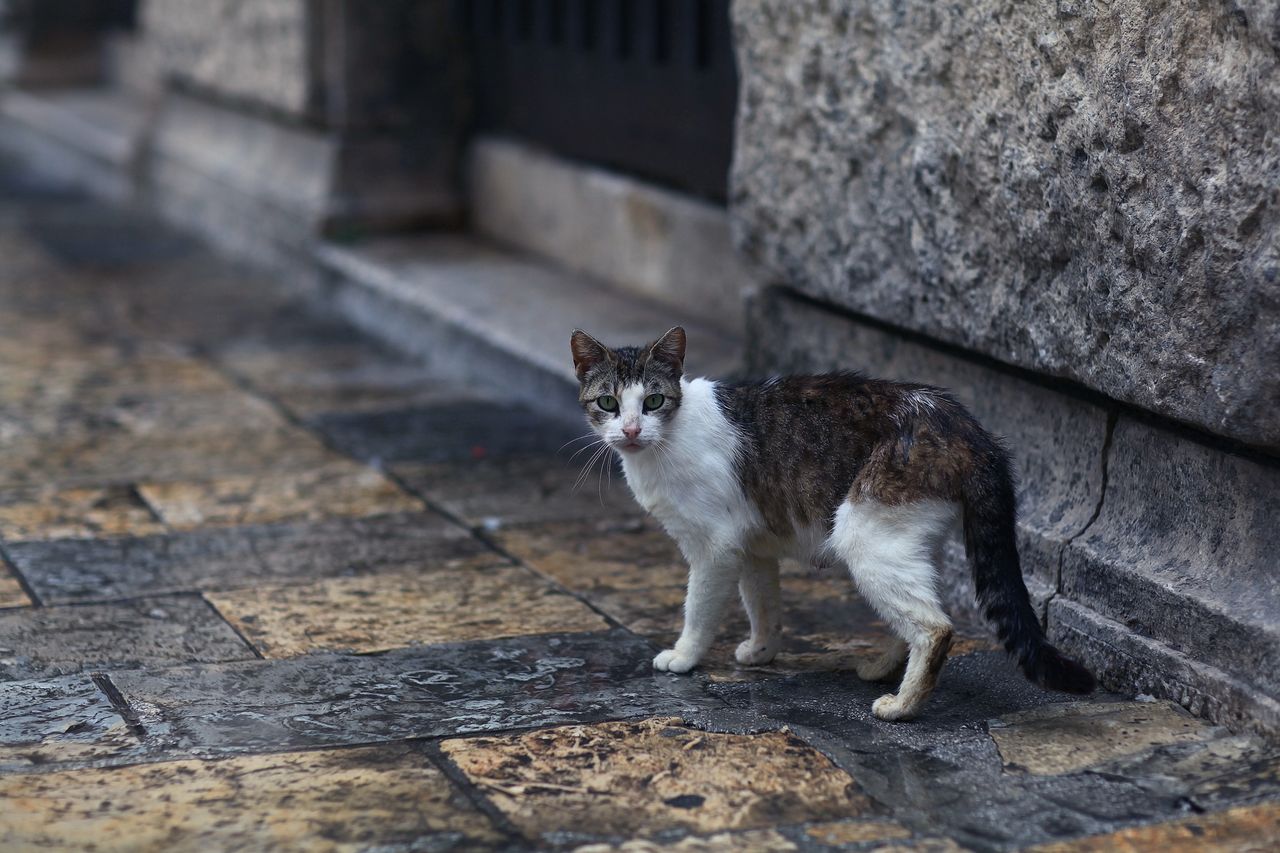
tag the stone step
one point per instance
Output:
(82, 137)
(500, 320)
(638, 237)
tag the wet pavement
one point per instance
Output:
(270, 586)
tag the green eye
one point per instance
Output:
(607, 402)
(654, 401)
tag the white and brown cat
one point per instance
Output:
(870, 473)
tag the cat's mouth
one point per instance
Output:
(631, 445)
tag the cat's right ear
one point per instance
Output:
(587, 352)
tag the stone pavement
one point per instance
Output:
(268, 586)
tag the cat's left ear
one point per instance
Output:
(670, 348)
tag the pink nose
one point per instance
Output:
(631, 432)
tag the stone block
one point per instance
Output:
(66, 720)
(52, 513)
(1184, 552)
(381, 797)
(497, 493)
(446, 432)
(256, 53)
(1255, 827)
(1045, 184)
(392, 610)
(340, 488)
(650, 241)
(1127, 661)
(1056, 440)
(11, 592)
(50, 641)
(328, 376)
(73, 570)
(1057, 739)
(636, 778)
(330, 700)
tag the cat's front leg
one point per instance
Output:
(712, 584)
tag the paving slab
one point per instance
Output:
(638, 778)
(942, 774)
(73, 570)
(340, 488)
(388, 611)
(48, 641)
(340, 374)
(468, 429)
(11, 592)
(75, 513)
(427, 691)
(93, 459)
(1067, 737)
(497, 493)
(332, 800)
(764, 840)
(54, 721)
(1247, 829)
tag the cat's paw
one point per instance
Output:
(673, 661)
(756, 652)
(890, 708)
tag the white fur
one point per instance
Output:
(687, 481)
(893, 553)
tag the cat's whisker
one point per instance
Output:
(586, 469)
(582, 450)
(576, 440)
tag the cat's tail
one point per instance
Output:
(990, 512)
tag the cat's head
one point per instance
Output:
(629, 394)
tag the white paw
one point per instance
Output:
(890, 707)
(673, 661)
(755, 653)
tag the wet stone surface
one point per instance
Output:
(430, 691)
(201, 466)
(100, 569)
(48, 641)
(388, 611)
(497, 493)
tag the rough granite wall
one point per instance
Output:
(1087, 189)
(253, 52)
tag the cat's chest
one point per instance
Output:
(685, 489)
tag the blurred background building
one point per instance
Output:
(1067, 212)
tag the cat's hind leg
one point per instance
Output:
(888, 665)
(890, 551)
(762, 598)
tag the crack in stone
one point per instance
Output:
(1113, 418)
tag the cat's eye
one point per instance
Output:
(607, 402)
(654, 401)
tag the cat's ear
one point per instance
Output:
(587, 352)
(670, 348)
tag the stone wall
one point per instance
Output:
(255, 52)
(1089, 190)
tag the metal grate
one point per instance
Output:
(644, 86)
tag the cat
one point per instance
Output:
(826, 468)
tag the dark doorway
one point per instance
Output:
(647, 87)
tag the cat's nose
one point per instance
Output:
(631, 432)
